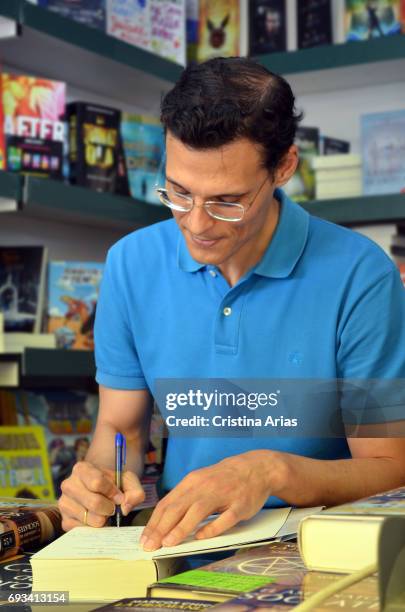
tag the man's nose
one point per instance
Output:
(199, 221)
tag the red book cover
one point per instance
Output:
(33, 113)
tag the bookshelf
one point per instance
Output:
(44, 198)
(53, 46)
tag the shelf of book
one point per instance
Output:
(57, 200)
(53, 46)
(110, 65)
(360, 210)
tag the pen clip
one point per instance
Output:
(124, 451)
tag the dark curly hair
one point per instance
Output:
(223, 99)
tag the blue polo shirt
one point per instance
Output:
(324, 302)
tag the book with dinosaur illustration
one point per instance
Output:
(72, 297)
(219, 29)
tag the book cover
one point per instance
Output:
(157, 604)
(72, 297)
(94, 150)
(333, 146)
(301, 187)
(366, 19)
(68, 418)
(130, 21)
(91, 13)
(143, 142)
(22, 287)
(383, 152)
(33, 113)
(24, 465)
(267, 26)
(168, 29)
(16, 575)
(248, 569)
(218, 33)
(314, 23)
(25, 525)
(283, 596)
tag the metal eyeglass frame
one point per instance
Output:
(162, 193)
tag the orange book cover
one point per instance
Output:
(219, 29)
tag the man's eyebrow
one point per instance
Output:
(217, 195)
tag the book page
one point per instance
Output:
(123, 542)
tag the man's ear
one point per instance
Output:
(287, 166)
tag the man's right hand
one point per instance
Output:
(93, 489)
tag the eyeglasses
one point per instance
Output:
(223, 211)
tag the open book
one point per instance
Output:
(109, 563)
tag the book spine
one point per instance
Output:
(26, 529)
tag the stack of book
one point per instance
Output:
(267, 571)
(337, 176)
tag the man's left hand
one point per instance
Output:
(236, 488)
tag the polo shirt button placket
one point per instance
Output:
(227, 311)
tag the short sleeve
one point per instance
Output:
(371, 352)
(117, 361)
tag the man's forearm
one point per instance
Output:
(102, 449)
(302, 481)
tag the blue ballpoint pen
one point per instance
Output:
(120, 458)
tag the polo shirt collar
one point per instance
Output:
(285, 248)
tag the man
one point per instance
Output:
(242, 283)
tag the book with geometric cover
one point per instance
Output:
(365, 20)
(267, 26)
(219, 29)
(383, 146)
(72, 297)
(279, 563)
(26, 524)
(33, 111)
(22, 287)
(281, 597)
(24, 466)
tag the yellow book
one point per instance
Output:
(109, 563)
(24, 463)
(345, 538)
